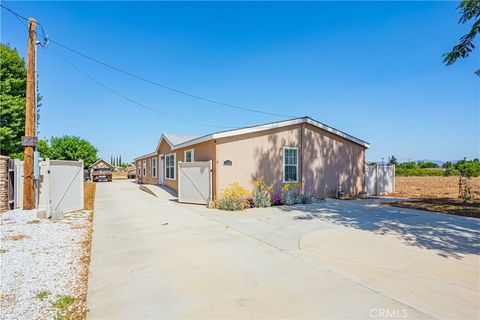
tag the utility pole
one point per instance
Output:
(29, 141)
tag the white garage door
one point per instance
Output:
(195, 182)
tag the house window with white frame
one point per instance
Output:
(188, 155)
(139, 165)
(144, 168)
(170, 166)
(290, 164)
(154, 167)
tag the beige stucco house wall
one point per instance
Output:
(326, 161)
(327, 158)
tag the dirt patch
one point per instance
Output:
(89, 195)
(79, 309)
(448, 206)
(433, 187)
(17, 237)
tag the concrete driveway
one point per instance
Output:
(154, 258)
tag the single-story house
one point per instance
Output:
(100, 163)
(301, 150)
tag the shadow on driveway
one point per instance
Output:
(452, 236)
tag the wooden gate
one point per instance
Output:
(195, 182)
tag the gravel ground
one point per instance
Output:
(39, 255)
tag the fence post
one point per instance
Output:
(4, 184)
(211, 174)
(47, 188)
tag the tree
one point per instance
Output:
(428, 165)
(393, 161)
(72, 148)
(43, 148)
(13, 82)
(407, 165)
(467, 170)
(470, 9)
(120, 161)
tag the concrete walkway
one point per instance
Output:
(153, 258)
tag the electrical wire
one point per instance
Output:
(178, 91)
(132, 100)
(167, 87)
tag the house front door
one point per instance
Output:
(161, 170)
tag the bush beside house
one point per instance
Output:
(235, 197)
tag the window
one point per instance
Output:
(170, 166)
(290, 164)
(154, 167)
(188, 156)
(144, 168)
(139, 164)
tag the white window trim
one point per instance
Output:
(174, 166)
(154, 166)
(283, 169)
(139, 168)
(144, 168)
(185, 155)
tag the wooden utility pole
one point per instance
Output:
(29, 141)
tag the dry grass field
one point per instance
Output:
(88, 195)
(432, 187)
(439, 194)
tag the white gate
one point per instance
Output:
(59, 185)
(195, 182)
(379, 179)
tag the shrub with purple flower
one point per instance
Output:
(276, 199)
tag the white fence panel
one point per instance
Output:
(379, 179)
(60, 185)
(66, 185)
(18, 184)
(195, 182)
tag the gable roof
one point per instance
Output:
(175, 138)
(272, 125)
(183, 141)
(100, 160)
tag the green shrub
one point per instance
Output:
(233, 198)
(262, 194)
(306, 198)
(418, 172)
(291, 193)
(468, 168)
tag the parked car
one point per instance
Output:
(101, 174)
(131, 173)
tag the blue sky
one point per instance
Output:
(371, 69)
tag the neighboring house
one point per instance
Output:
(101, 165)
(301, 150)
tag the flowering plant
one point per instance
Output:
(234, 197)
(262, 194)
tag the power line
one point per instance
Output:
(132, 100)
(19, 17)
(147, 80)
(167, 87)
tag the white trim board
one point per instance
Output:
(257, 128)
